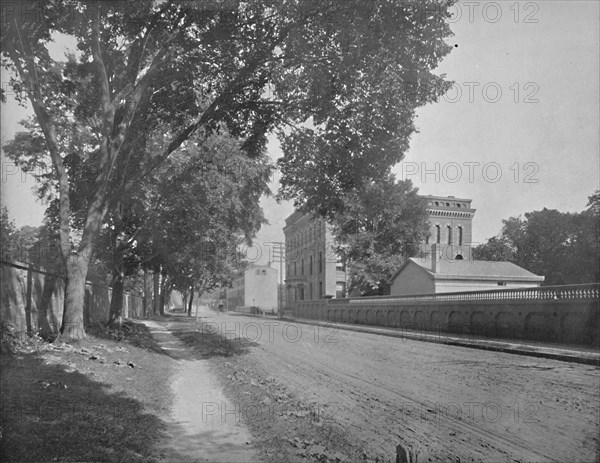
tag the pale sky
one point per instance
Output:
(519, 132)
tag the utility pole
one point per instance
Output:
(279, 256)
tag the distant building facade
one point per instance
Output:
(313, 270)
(255, 287)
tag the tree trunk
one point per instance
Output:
(118, 276)
(184, 294)
(190, 303)
(147, 294)
(163, 289)
(116, 302)
(156, 297)
(168, 293)
(72, 328)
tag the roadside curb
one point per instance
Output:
(554, 353)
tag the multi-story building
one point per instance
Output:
(313, 270)
(450, 226)
(255, 287)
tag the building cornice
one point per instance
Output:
(451, 213)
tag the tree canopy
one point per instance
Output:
(340, 79)
(377, 228)
(561, 246)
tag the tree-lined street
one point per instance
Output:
(338, 81)
(158, 136)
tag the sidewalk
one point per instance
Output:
(203, 426)
(567, 353)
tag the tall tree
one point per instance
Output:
(498, 248)
(198, 226)
(376, 229)
(561, 246)
(147, 75)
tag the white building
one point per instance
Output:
(255, 287)
(444, 274)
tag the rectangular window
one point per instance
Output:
(320, 262)
(310, 266)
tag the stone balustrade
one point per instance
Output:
(562, 314)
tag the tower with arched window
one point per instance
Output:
(450, 225)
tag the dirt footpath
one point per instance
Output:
(197, 428)
(323, 395)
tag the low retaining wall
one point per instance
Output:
(569, 315)
(32, 300)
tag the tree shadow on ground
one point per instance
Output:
(202, 340)
(50, 414)
(205, 344)
(132, 332)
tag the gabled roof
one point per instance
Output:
(474, 269)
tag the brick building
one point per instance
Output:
(313, 270)
(450, 226)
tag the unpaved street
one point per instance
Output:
(449, 403)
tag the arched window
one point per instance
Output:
(310, 270)
(302, 267)
(437, 234)
(449, 231)
(320, 262)
(460, 236)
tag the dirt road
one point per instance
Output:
(448, 403)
